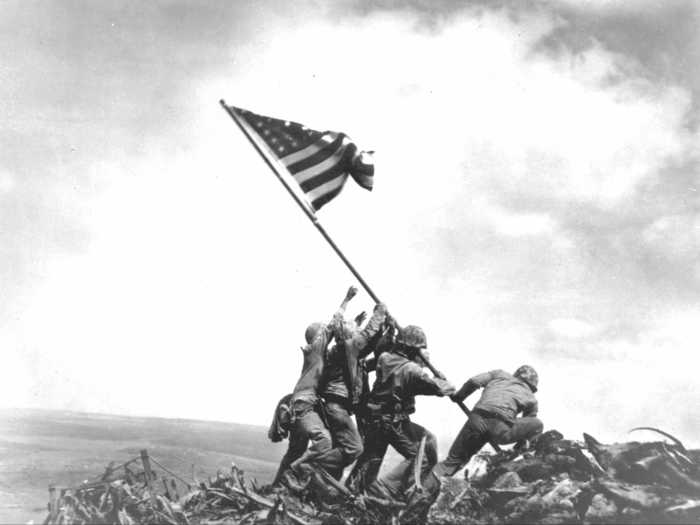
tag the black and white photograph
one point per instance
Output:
(349, 262)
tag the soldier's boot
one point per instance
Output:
(420, 501)
(297, 479)
(527, 444)
(431, 483)
(521, 446)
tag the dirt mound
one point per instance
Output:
(565, 481)
(555, 481)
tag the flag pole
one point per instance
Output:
(312, 217)
(310, 214)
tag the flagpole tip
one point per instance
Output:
(222, 102)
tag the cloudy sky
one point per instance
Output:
(536, 201)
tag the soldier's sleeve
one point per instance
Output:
(360, 342)
(530, 408)
(320, 342)
(420, 383)
(481, 380)
(468, 388)
(475, 383)
(336, 328)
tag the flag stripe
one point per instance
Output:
(322, 154)
(332, 161)
(297, 156)
(329, 174)
(319, 162)
(317, 204)
(327, 187)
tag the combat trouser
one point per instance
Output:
(482, 428)
(405, 436)
(347, 443)
(308, 427)
(298, 441)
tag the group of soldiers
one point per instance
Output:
(317, 417)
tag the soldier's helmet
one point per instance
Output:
(528, 374)
(412, 336)
(312, 331)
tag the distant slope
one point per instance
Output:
(41, 447)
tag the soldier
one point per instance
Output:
(384, 342)
(342, 388)
(493, 419)
(399, 379)
(306, 422)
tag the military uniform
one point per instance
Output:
(494, 417)
(306, 426)
(342, 388)
(389, 406)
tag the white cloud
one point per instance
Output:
(611, 384)
(203, 273)
(523, 224)
(676, 237)
(614, 5)
(7, 182)
(572, 328)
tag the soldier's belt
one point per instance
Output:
(493, 415)
(394, 410)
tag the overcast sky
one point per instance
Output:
(536, 201)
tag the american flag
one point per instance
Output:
(319, 162)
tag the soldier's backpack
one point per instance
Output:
(282, 420)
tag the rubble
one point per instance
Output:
(555, 481)
(565, 481)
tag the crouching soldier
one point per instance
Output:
(399, 379)
(306, 423)
(493, 419)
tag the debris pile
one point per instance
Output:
(127, 497)
(124, 494)
(565, 481)
(555, 481)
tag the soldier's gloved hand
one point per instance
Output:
(477, 423)
(446, 388)
(360, 318)
(352, 292)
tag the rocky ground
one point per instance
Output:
(556, 481)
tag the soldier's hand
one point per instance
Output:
(352, 292)
(360, 318)
(446, 388)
